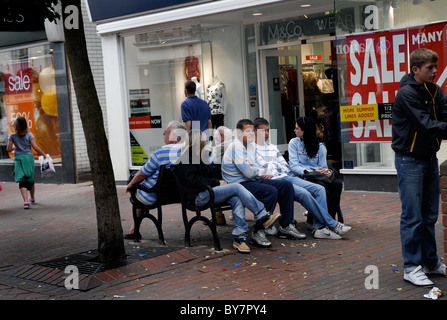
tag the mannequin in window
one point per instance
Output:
(217, 101)
(191, 67)
(199, 88)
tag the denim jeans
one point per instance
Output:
(238, 197)
(419, 191)
(312, 196)
(271, 192)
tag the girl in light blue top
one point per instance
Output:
(307, 153)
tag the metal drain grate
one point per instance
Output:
(83, 261)
(86, 262)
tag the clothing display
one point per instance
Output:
(199, 88)
(289, 97)
(217, 100)
(321, 103)
(192, 67)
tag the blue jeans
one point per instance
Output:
(271, 192)
(238, 197)
(419, 191)
(312, 196)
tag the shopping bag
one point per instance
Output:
(46, 166)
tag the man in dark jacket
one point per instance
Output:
(419, 110)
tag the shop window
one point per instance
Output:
(28, 89)
(157, 64)
(371, 59)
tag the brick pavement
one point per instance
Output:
(63, 223)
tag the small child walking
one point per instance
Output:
(21, 141)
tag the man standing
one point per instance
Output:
(196, 113)
(419, 109)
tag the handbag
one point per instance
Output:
(326, 85)
(315, 176)
(46, 166)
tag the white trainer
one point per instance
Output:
(440, 269)
(326, 233)
(417, 277)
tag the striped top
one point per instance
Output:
(272, 158)
(241, 164)
(166, 155)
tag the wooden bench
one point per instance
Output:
(170, 190)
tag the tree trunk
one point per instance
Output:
(110, 233)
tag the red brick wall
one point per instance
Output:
(443, 168)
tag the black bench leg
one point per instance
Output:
(212, 225)
(187, 228)
(158, 224)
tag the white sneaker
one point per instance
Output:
(438, 270)
(341, 229)
(259, 239)
(326, 233)
(272, 231)
(417, 277)
(290, 232)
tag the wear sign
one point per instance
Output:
(375, 65)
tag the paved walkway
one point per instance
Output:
(62, 225)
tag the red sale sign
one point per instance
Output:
(432, 37)
(377, 62)
(19, 95)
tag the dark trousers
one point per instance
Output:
(270, 192)
(333, 196)
(217, 120)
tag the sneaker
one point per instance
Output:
(269, 219)
(26, 205)
(240, 244)
(341, 229)
(32, 200)
(326, 233)
(417, 277)
(259, 239)
(272, 231)
(290, 232)
(440, 269)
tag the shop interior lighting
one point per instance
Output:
(305, 5)
(257, 14)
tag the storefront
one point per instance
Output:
(34, 83)
(247, 53)
(275, 59)
(372, 60)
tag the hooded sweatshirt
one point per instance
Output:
(418, 114)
